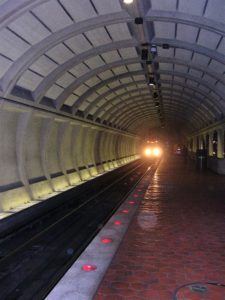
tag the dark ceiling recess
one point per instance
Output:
(138, 20)
(165, 46)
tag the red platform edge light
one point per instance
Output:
(131, 202)
(125, 211)
(106, 241)
(89, 268)
(118, 223)
(136, 195)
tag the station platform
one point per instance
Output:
(174, 246)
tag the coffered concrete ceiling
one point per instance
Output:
(92, 59)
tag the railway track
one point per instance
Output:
(38, 254)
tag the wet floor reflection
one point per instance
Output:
(149, 212)
(176, 238)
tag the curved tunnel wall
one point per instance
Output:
(66, 62)
(42, 153)
(85, 57)
(215, 147)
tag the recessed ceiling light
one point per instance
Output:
(138, 20)
(128, 1)
(165, 46)
(153, 49)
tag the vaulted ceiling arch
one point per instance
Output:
(110, 105)
(185, 18)
(165, 91)
(74, 85)
(184, 119)
(185, 97)
(209, 100)
(106, 82)
(127, 115)
(185, 47)
(63, 68)
(34, 52)
(175, 102)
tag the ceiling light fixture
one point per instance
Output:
(128, 1)
(153, 49)
(165, 46)
(138, 20)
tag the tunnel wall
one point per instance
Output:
(204, 139)
(42, 154)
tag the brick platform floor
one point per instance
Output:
(174, 248)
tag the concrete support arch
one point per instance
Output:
(22, 131)
(220, 143)
(30, 56)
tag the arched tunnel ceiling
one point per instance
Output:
(84, 57)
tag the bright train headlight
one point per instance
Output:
(157, 152)
(148, 152)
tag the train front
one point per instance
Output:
(152, 150)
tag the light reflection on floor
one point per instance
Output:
(147, 217)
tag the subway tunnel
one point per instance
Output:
(85, 83)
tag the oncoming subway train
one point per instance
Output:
(152, 149)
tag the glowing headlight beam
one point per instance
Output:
(156, 152)
(148, 152)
